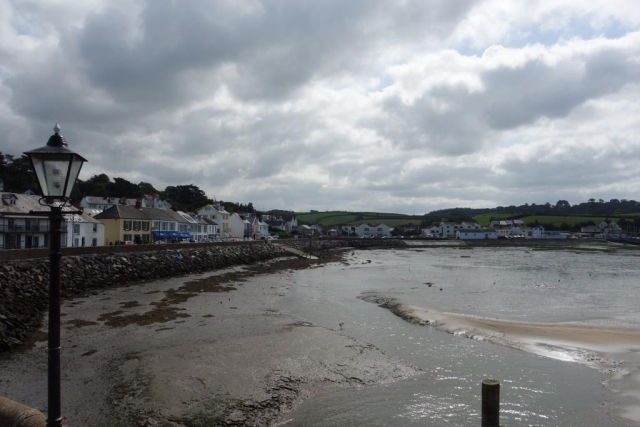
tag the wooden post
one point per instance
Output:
(490, 403)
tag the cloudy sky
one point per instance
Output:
(390, 105)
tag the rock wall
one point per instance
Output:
(24, 284)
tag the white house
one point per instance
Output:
(153, 201)
(305, 230)
(448, 229)
(348, 229)
(83, 230)
(213, 229)
(104, 203)
(264, 230)
(20, 230)
(534, 232)
(218, 214)
(379, 230)
(236, 226)
(474, 234)
(470, 226)
(290, 222)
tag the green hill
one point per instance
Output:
(337, 218)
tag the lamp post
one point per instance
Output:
(57, 169)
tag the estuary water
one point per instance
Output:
(563, 386)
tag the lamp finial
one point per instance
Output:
(56, 128)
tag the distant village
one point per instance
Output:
(108, 221)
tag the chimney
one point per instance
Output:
(138, 203)
(217, 205)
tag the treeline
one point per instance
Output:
(599, 207)
(18, 177)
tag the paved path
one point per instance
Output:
(298, 253)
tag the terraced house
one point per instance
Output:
(125, 224)
(20, 230)
(218, 214)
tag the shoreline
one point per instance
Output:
(207, 349)
(613, 351)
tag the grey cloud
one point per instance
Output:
(134, 92)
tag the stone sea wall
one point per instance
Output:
(24, 284)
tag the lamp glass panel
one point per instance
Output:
(74, 171)
(52, 171)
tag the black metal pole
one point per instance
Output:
(490, 403)
(54, 417)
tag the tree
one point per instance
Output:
(562, 204)
(592, 200)
(17, 174)
(97, 185)
(120, 187)
(147, 188)
(186, 197)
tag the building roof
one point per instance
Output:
(175, 216)
(122, 212)
(156, 214)
(24, 203)
(110, 200)
(81, 218)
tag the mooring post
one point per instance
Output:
(490, 403)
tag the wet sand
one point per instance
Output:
(201, 350)
(612, 350)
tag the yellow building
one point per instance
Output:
(125, 224)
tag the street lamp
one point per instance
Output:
(57, 169)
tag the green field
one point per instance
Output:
(485, 220)
(557, 220)
(390, 222)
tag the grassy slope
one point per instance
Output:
(331, 219)
(485, 220)
(557, 220)
(394, 222)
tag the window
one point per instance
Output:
(76, 242)
(126, 226)
(76, 229)
(94, 242)
(172, 226)
(127, 237)
(154, 225)
(379, 229)
(145, 226)
(95, 228)
(136, 225)
(366, 229)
